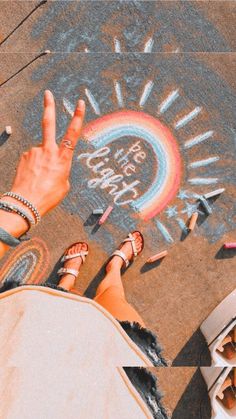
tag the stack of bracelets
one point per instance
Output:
(30, 214)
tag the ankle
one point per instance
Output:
(115, 264)
(67, 281)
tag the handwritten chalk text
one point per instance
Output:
(123, 192)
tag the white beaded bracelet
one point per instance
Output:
(17, 209)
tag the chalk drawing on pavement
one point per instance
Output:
(28, 264)
(144, 129)
(148, 146)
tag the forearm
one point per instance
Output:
(13, 224)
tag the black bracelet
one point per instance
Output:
(10, 207)
(8, 239)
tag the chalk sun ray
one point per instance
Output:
(187, 118)
(146, 93)
(203, 180)
(93, 102)
(198, 139)
(119, 95)
(170, 99)
(165, 233)
(68, 107)
(117, 45)
(148, 45)
(204, 162)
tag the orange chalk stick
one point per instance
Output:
(193, 221)
(105, 215)
(157, 256)
(230, 245)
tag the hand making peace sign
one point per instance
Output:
(42, 175)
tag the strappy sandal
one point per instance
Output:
(65, 257)
(130, 238)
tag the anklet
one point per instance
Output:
(9, 207)
(25, 202)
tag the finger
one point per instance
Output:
(49, 120)
(74, 129)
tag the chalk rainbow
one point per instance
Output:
(113, 126)
(27, 264)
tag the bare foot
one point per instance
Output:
(126, 248)
(67, 280)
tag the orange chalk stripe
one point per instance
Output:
(193, 221)
(157, 256)
(105, 215)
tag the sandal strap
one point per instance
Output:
(131, 239)
(82, 254)
(122, 256)
(63, 271)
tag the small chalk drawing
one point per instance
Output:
(27, 264)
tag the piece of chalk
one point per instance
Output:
(193, 221)
(213, 193)
(230, 245)
(8, 130)
(205, 205)
(105, 215)
(157, 257)
(98, 211)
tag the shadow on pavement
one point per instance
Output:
(225, 253)
(3, 138)
(194, 353)
(92, 287)
(194, 403)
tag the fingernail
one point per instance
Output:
(48, 93)
(81, 104)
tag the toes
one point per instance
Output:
(71, 250)
(84, 247)
(78, 247)
(138, 240)
(138, 236)
(138, 246)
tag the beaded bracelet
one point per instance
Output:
(9, 207)
(25, 202)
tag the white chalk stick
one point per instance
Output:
(205, 205)
(98, 211)
(214, 193)
(8, 130)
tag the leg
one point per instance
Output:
(110, 293)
